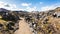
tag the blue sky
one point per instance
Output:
(30, 5)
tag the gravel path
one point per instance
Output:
(23, 28)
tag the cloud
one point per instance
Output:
(47, 8)
(41, 2)
(51, 7)
(13, 7)
(26, 4)
(8, 6)
(31, 9)
(28, 8)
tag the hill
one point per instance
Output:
(44, 22)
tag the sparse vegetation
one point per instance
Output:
(42, 22)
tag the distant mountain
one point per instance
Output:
(3, 10)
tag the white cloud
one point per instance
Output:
(14, 7)
(41, 2)
(31, 9)
(8, 6)
(26, 4)
(28, 8)
(47, 8)
(51, 7)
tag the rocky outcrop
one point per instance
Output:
(47, 22)
(9, 23)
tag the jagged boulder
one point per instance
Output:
(10, 17)
(9, 23)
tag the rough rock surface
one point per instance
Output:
(47, 22)
(9, 23)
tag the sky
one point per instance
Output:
(30, 5)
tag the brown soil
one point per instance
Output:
(23, 28)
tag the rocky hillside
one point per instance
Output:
(49, 22)
(9, 22)
(45, 22)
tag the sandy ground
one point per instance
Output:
(23, 28)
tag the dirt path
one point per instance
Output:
(23, 28)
